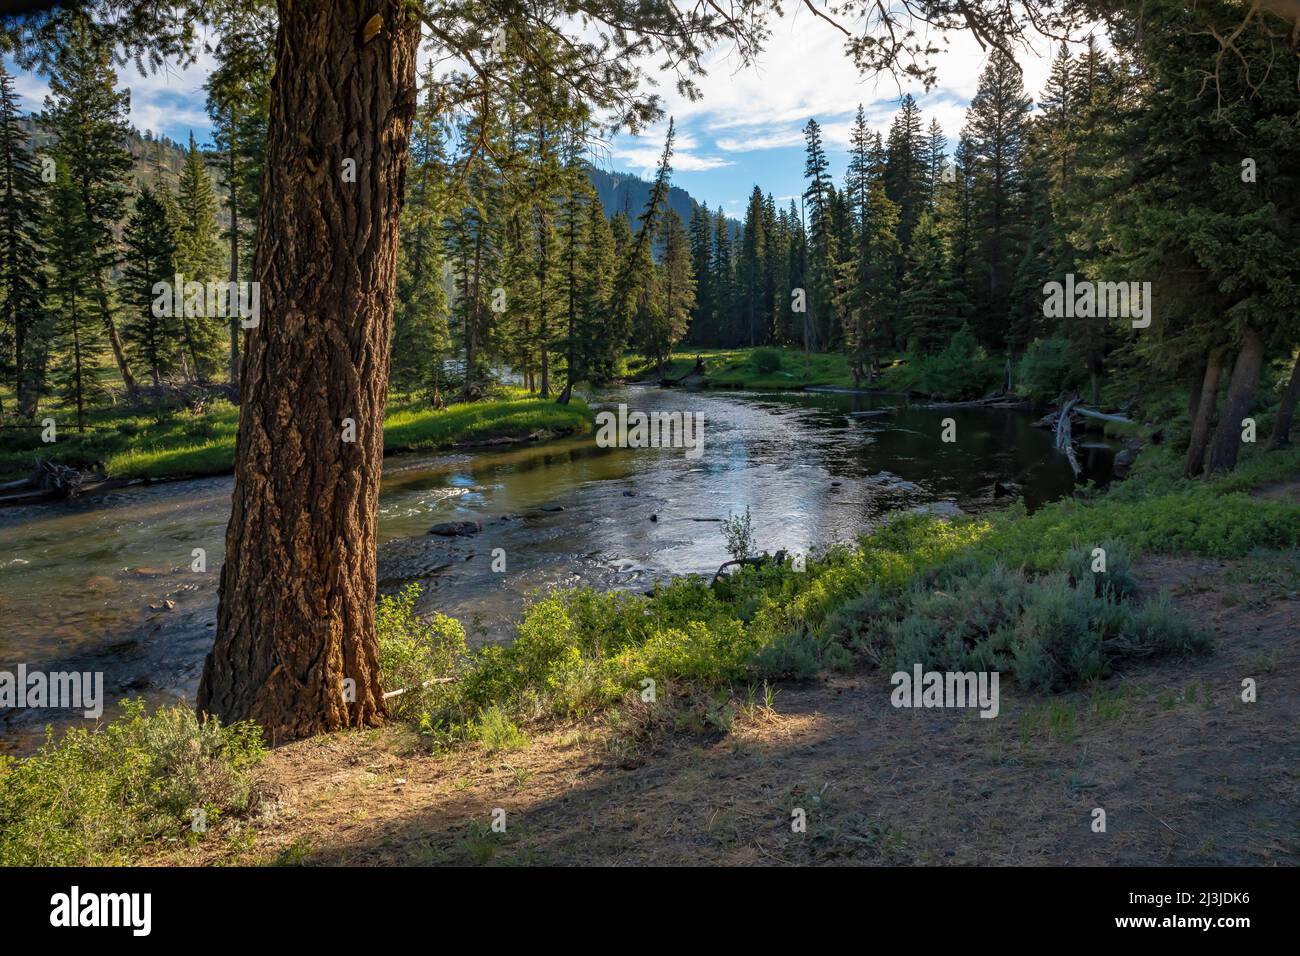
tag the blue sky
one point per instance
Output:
(746, 129)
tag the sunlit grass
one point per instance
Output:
(738, 368)
(182, 444)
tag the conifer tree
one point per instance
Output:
(153, 333)
(996, 126)
(21, 275)
(86, 114)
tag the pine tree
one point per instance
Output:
(239, 99)
(198, 255)
(153, 334)
(753, 253)
(600, 334)
(70, 239)
(703, 330)
(996, 125)
(928, 301)
(87, 117)
(936, 155)
(870, 299)
(723, 281)
(421, 334)
(820, 318)
(676, 284)
(907, 168)
(21, 275)
(773, 268)
(857, 180)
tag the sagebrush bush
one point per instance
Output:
(95, 796)
(1047, 632)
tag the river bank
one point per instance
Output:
(1186, 772)
(770, 690)
(184, 443)
(108, 583)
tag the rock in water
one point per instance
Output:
(455, 529)
(1124, 462)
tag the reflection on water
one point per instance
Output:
(105, 583)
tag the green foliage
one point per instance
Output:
(1047, 369)
(417, 654)
(1048, 632)
(767, 361)
(738, 532)
(962, 370)
(496, 731)
(94, 796)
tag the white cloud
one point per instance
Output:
(170, 101)
(804, 72)
(772, 140)
(641, 153)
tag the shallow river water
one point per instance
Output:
(105, 583)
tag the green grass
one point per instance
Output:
(738, 368)
(181, 444)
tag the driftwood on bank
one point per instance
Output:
(1049, 420)
(49, 481)
(696, 372)
(1064, 436)
(755, 562)
(1004, 400)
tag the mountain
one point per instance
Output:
(155, 156)
(624, 192)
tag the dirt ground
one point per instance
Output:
(1186, 772)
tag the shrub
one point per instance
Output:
(1047, 632)
(738, 532)
(416, 653)
(93, 797)
(1047, 369)
(767, 361)
(962, 370)
(494, 729)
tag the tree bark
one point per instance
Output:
(1286, 411)
(1195, 379)
(296, 649)
(1206, 400)
(110, 327)
(1241, 393)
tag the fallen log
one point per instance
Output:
(696, 372)
(754, 562)
(1104, 416)
(1064, 438)
(1009, 400)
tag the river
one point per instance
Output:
(105, 583)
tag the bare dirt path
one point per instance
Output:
(1186, 772)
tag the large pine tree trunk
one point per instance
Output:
(1206, 400)
(296, 648)
(1286, 411)
(1241, 392)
